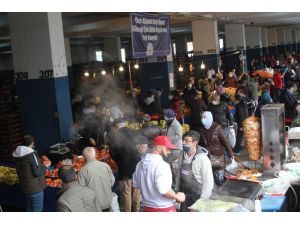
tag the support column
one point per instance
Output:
(280, 41)
(297, 41)
(253, 45)
(272, 41)
(288, 41)
(112, 49)
(264, 41)
(41, 75)
(181, 47)
(235, 41)
(294, 41)
(206, 45)
(69, 62)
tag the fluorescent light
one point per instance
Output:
(180, 69)
(202, 66)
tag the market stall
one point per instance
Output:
(270, 181)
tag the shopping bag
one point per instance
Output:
(114, 203)
(231, 137)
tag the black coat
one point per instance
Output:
(290, 104)
(189, 96)
(242, 112)
(124, 152)
(197, 107)
(221, 114)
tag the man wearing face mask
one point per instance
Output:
(212, 138)
(174, 129)
(242, 112)
(194, 176)
(220, 112)
(153, 178)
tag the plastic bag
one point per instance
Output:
(232, 166)
(275, 185)
(114, 203)
(231, 137)
(290, 176)
(208, 205)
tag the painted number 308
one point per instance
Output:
(21, 76)
(46, 74)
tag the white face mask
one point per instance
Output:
(149, 100)
(190, 85)
(214, 102)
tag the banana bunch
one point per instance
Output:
(185, 128)
(8, 175)
(163, 124)
(154, 123)
(134, 126)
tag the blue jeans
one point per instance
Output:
(35, 202)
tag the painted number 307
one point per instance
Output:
(46, 74)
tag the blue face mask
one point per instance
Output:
(169, 120)
(206, 123)
(186, 148)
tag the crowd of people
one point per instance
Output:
(157, 167)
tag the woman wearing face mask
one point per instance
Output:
(290, 103)
(212, 138)
(194, 175)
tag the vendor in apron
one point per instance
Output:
(194, 174)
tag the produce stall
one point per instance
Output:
(11, 195)
(265, 73)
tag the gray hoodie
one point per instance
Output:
(202, 171)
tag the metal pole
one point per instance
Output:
(130, 81)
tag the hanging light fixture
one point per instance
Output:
(121, 68)
(103, 72)
(86, 73)
(180, 68)
(94, 75)
(202, 66)
(136, 66)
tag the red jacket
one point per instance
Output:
(278, 81)
(230, 82)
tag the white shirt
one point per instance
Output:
(187, 159)
(154, 178)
